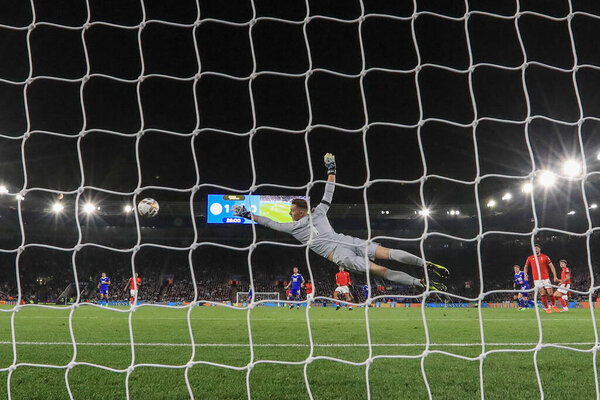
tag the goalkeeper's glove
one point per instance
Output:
(329, 160)
(241, 211)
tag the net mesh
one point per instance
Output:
(307, 76)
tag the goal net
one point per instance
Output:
(466, 132)
(242, 297)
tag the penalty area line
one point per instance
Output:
(295, 344)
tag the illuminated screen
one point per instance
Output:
(273, 206)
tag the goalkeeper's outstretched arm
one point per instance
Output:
(299, 208)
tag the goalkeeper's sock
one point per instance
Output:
(544, 301)
(562, 302)
(405, 258)
(401, 277)
(522, 303)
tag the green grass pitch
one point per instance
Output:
(162, 337)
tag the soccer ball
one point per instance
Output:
(148, 207)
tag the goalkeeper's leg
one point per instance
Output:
(404, 257)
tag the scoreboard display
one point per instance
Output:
(276, 207)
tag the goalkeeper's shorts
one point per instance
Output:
(351, 255)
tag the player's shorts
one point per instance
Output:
(545, 283)
(524, 294)
(564, 288)
(342, 289)
(351, 254)
(294, 292)
(133, 292)
(104, 290)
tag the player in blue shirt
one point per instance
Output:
(295, 284)
(103, 286)
(523, 285)
(365, 289)
(250, 294)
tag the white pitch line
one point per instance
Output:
(296, 344)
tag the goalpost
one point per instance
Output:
(242, 297)
(413, 73)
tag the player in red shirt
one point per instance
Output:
(342, 280)
(309, 290)
(133, 287)
(541, 279)
(565, 284)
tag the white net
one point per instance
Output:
(355, 120)
(242, 297)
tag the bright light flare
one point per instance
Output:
(424, 212)
(3, 189)
(571, 168)
(57, 207)
(527, 188)
(19, 197)
(598, 156)
(491, 203)
(593, 206)
(507, 196)
(128, 209)
(572, 212)
(547, 179)
(89, 208)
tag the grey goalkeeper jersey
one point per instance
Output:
(324, 239)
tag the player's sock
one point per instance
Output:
(552, 301)
(401, 277)
(522, 303)
(544, 301)
(562, 302)
(405, 257)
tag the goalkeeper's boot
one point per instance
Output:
(434, 286)
(438, 271)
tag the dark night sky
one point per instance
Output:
(111, 107)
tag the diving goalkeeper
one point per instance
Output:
(346, 251)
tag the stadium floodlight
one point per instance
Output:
(527, 188)
(572, 212)
(424, 212)
(127, 209)
(593, 206)
(89, 208)
(457, 212)
(507, 196)
(571, 168)
(3, 189)
(547, 178)
(57, 207)
(491, 203)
